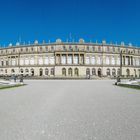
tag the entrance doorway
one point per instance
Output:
(99, 72)
(40, 72)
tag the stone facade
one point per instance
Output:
(70, 60)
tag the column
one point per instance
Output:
(79, 59)
(130, 60)
(72, 58)
(60, 60)
(66, 58)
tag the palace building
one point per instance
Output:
(70, 60)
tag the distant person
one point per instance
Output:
(21, 78)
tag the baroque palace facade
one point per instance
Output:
(70, 60)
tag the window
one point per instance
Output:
(70, 71)
(87, 71)
(5, 70)
(93, 49)
(76, 48)
(47, 49)
(6, 63)
(46, 71)
(108, 72)
(87, 48)
(93, 60)
(113, 72)
(52, 71)
(64, 48)
(64, 72)
(2, 63)
(93, 71)
(26, 49)
(40, 49)
(76, 71)
(99, 49)
(108, 49)
(70, 48)
(113, 49)
(52, 48)
(127, 72)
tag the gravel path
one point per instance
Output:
(70, 110)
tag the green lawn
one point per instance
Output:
(9, 86)
(130, 86)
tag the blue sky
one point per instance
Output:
(112, 20)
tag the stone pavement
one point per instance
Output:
(70, 110)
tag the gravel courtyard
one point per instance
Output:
(70, 110)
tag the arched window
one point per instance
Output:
(76, 72)
(40, 72)
(108, 72)
(99, 72)
(64, 72)
(93, 71)
(46, 71)
(52, 71)
(87, 71)
(70, 71)
(113, 72)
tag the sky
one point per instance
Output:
(110, 20)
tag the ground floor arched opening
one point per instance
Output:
(76, 72)
(32, 72)
(127, 72)
(99, 72)
(41, 72)
(64, 72)
(70, 71)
